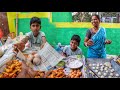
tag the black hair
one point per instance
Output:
(98, 17)
(35, 20)
(76, 38)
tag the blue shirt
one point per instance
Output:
(67, 50)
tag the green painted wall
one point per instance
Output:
(63, 35)
(61, 17)
(47, 28)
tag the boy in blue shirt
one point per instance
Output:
(35, 37)
(73, 48)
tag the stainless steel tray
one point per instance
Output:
(114, 66)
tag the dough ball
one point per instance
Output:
(30, 57)
(36, 56)
(102, 67)
(117, 75)
(111, 74)
(105, 74)
(109, 77)
(93, 68)
(112, 70)
(97, 67)
(106, 68)
(102, 76)
(108, 64)
(96, 71)
(91, 72)
(90, 65)
(101, 64)
(110, 67)
(36, 61)
(101, 70)
(106, 71)
(93, 64)
(99, 73)
(105, 64)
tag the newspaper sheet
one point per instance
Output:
(7, 56)
(50, 58)
(20, 56)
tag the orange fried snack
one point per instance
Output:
(57, 73)
(39, 74)
(13, 68)
(75, 73)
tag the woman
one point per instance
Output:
(95, 39)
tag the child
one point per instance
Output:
(73, 48)
(35, 37)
